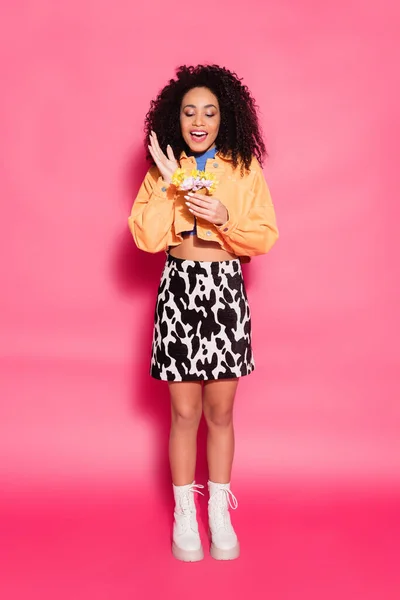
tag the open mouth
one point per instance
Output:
(198, 136)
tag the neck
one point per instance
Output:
(193, 152)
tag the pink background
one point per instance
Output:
(83, 429)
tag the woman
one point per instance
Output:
(203, 119)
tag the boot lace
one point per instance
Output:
(185, 500)
(187, 517)
(220, 501)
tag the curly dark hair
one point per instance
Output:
(239, 134)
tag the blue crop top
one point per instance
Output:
(201, 160)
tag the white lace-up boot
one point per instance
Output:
(224, 542)
(186, 544)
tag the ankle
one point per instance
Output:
(181, 486)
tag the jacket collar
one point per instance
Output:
(219, 155)
(189, 162)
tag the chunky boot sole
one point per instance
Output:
(219, 554)
(187, 555)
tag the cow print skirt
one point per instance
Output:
(202, 322)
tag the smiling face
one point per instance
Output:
(200, 119)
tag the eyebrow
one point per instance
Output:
(194, 106)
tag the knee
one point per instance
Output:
(218, 416)
(186, 417)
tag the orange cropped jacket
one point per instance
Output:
(159, 213)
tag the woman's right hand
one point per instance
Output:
(167, 165)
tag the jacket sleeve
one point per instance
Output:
(152, 213)
(254, 231)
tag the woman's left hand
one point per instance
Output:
(207, 207)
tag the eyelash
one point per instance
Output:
(186, 115)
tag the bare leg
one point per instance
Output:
(186, 407)
(218, 400)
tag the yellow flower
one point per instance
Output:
(210, 176)
(178, 177)
(195, 180)
(212, 187)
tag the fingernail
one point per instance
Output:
(190, 194)
(187, 203)
(187, 197)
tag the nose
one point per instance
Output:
(198, 120)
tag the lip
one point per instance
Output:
(197, 139)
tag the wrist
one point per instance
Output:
(225, 220)
(169, 177)
(227, 226)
